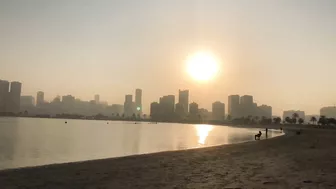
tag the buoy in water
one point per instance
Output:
(66, 122)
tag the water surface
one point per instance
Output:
(31, 142)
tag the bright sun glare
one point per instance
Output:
(202, 66)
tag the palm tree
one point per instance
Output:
(288, 120)
(295, 116)
(322, 120)
(277, 120)
(301, 121)
(313, 119)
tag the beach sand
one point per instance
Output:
(292, 161)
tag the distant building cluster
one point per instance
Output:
(133, 108)
(243, 106)
(165, 109)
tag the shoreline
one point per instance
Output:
(289, 161)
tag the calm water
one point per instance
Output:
(30, 142)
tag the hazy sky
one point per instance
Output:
(281, 52)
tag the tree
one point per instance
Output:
(331, 121)
(295, 116)
(294, 121)
(229, 117)
(322, 120)
(277, 120)
(133, 116)
(313, 119)
(301, 121)
(139, 116)
(288, 120)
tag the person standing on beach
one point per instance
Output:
(266, 132)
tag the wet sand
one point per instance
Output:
(292, 161)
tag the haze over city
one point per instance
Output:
(281, 52)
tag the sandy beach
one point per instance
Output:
(292, 161)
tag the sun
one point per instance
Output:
(202, 66)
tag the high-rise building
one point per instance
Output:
(27, 101)
(179, 110)
(329, 112)
(167, 105)
(97, 99)
(247, 107)
(184, 99)
(68, 103)
(155, 110)
(14, 97)
(218, 111)
(193, 108)
(233, 103)
(128, 106)
(138, 101)
(246, 99)
(4, 94)
(39, 98)
(265, 111)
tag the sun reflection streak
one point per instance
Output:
(203, 132)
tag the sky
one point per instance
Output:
(281, 52)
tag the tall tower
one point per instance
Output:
(96, 98)
(233, 104)
(128, 106)
(138, 101)
(4, 92)
(39, 98)
(14, 97)
(184, 100)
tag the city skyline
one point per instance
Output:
(84, 48)
(236, 106)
